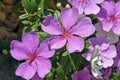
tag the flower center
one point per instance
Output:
(31, 57)
(66, 34)
(82, 0)
(112, 18)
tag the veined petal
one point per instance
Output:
(57, 42)
(107, 62)
(43, 66)
(25, 70)
(75, 44)
(30, 38)
(51, 26)
(116, 29)
(108, 6)
(17, 50)
(110, 52)
(44, 50)
(69, 17)
(97, 1)
(107, 25)
(83, 28)
(92, 9)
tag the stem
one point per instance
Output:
(72, 63)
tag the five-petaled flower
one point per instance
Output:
(71, 30)
(109, 16)
(107, 51)
(86, 6)
(36, 57)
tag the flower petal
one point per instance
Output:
(51, 26)
(75, 44)
(116, 29)
(113, 37)
(87, 56)
(97, 1)
(25, 70)
(57, 42)
(100, 41)
(107, 62)
(44, 50)
(110, 52)
(80, 9)
(92, 9)
(108, 6)
(43, 66)
(102, 14)
(69, 17)
(36, 77)
(83, 28)
(107, 26)
(30, 38)
(17, 50)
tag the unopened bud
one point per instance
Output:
(4, 51)
(59, 5)
(68, 6)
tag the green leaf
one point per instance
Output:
(27, 5)
(65, 53)
(23, 16)
(40, 6)
(35, 25)
(34, 5)
(26, 22)
(43, 35)
(60, 73)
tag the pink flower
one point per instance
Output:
(86, 74)
(36, 57)
(109, 16)
(86, 6)
(117, 59)
(70, 31)
(106, 54)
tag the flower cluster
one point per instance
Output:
(73, 32)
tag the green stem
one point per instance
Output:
(72, 63)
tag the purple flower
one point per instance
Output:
(109, 16)
(107, 51)
(106, 72)
(36, 77)
(86, 6)
(117, 59)
(85, 74)
(70, 31)
(110, 35)
(36, 57)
